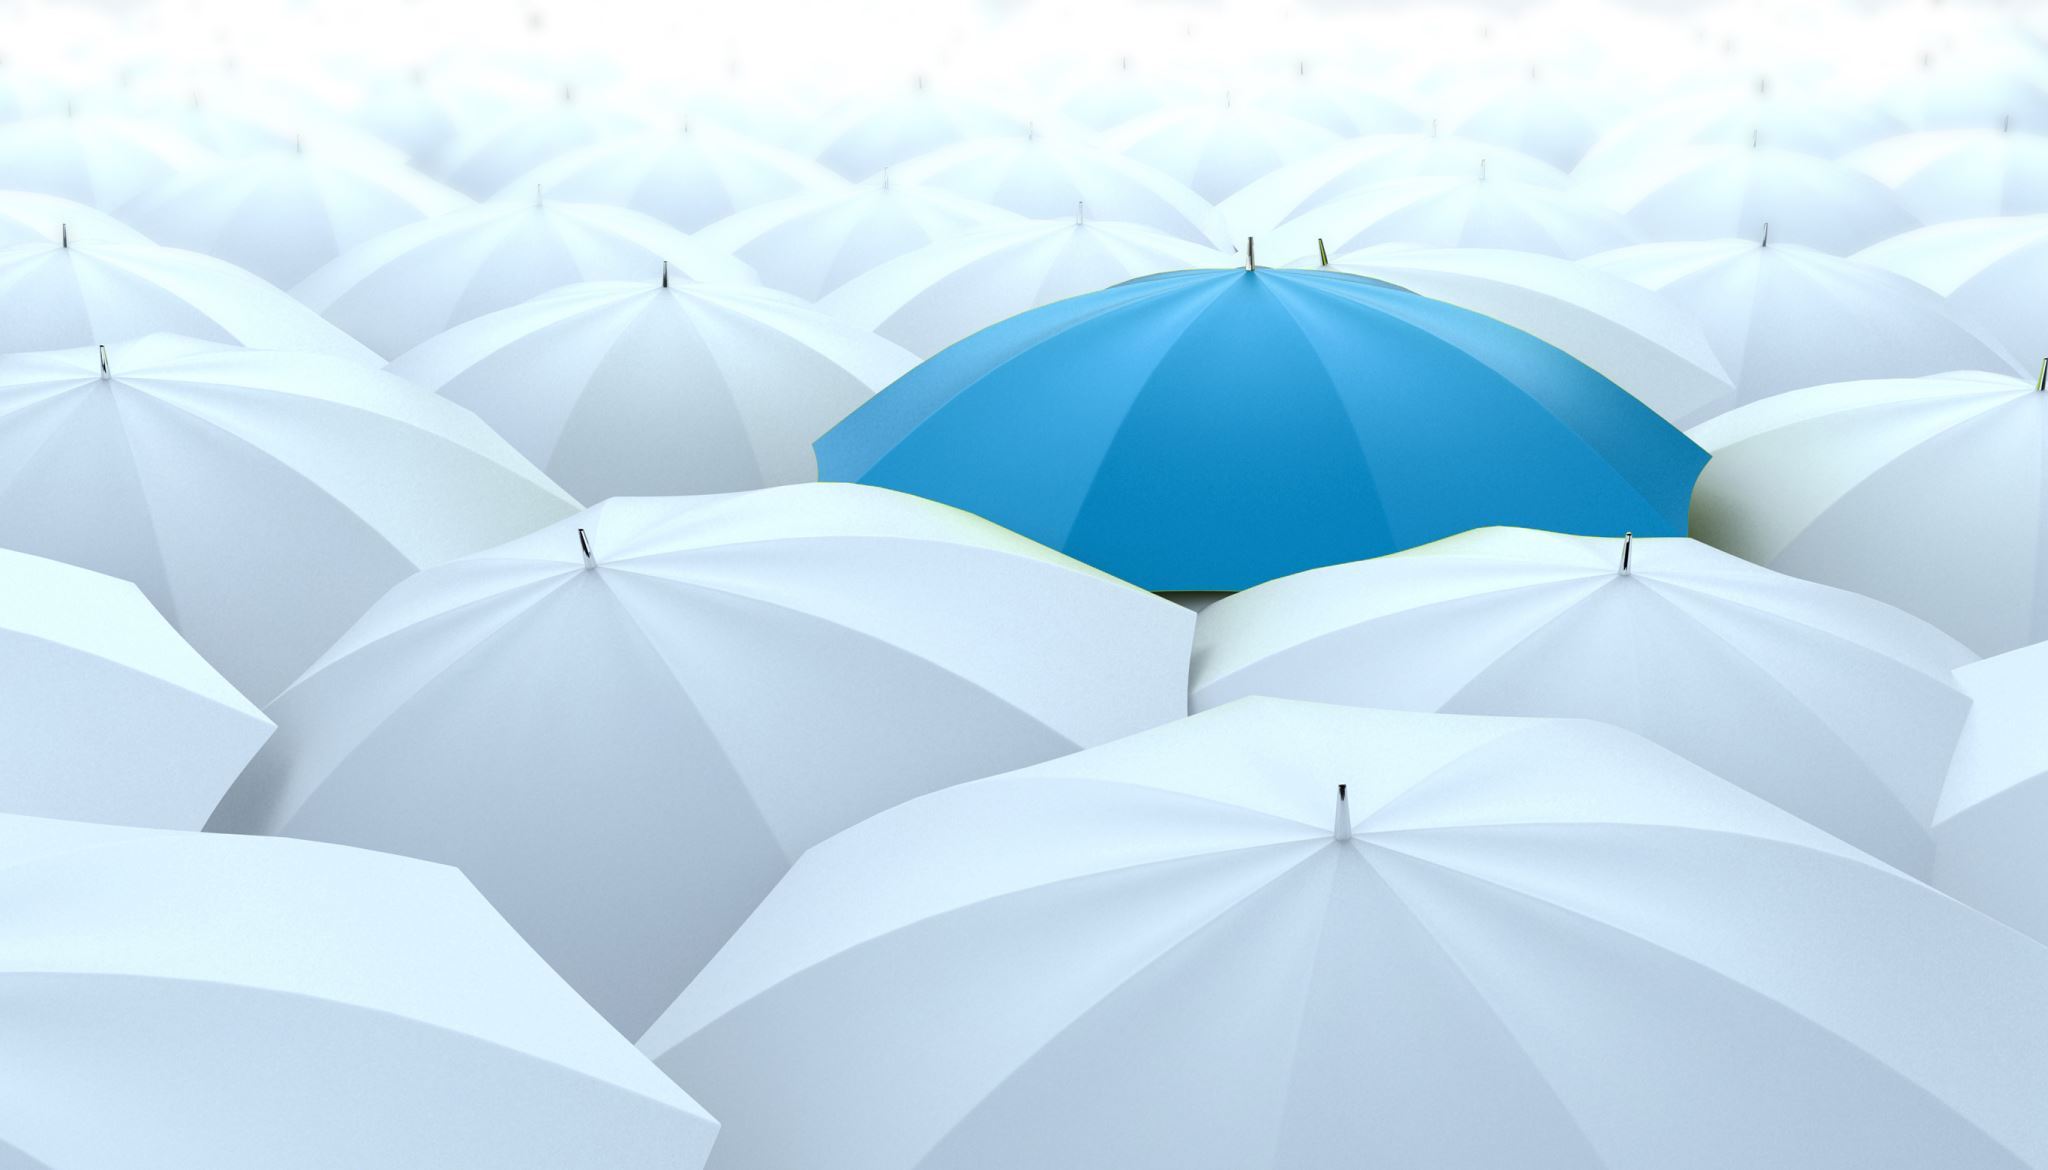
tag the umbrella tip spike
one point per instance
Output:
(1628, 545)
(1251, 254)
(536, 194)
(1341, 828)
(583, 540)
(664, 274)
(1767, 234)
(64, 235)
(105, 373)
(1323, 251)
(2041, 379)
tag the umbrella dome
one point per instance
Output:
(1217, 149)
(1213, 429)
(1540, 117)
(66, 291)
(1716, 192)
(1994, 811)
(813, 243)
(1633, 337)
(686, 180)
(1974, 90)
(1829, 705)
(625, 749)
(1293, 935)
(1118, 97)
(398, 289)
(27, 217)
(1820, 124)
(260, 499)
(1994, 271)
(1473, 211)
(1045, 177)
(481, 162)
(192, 1001)
(102, 162)
(1344, 108)
(1921, 492)
(1782, 316)
(282, 215)
(1959, 174)
(625, 388)
(1351, 166)
(868, 136)
(947, 290)
(108, 715)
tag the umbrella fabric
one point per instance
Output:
(1509, 943)
(1117, 98)
(1716, 192)
(107, 714)
(27, 218)
(1820, 124)
(481, 162)
(102, 162)
(1213, 429)
(1834, 707)
(621, 388)
(260, 499)
(860, 141)
(1345, 108)
(1922, 492)
(1540, 117)
(1215, 150)
(1349, 167)
(1994, 271)
(1994, 811)
(1960, 174)
(687, 180)
(189, 1001)
(625, 752)
(398, 289)
(1472, 211)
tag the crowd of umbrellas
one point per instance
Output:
(1443, 603)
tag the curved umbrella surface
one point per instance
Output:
(687, 180)
(1994, 811)
(1994, 270)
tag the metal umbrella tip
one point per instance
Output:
(664, 274)
(583, 539)
(105, 373)
(1323, 251)
(1628, 544)
(1251, 255)
(64, 235)
(1767, 235)
(2041, 379)
(1341, 829)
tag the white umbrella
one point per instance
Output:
(1044, 178)
(1922, 492)
(1351, 166)
(107, 714)
(398, 289)
(686, 180)
(1475, 211)
(623, 388)
(482, 161)
(261, 499)
(1975, 89)
(64, 292)
(1995, 271)
(187, 1001)
(626, 748)
(811, 244)
(1344, 108)
(1119, 97)
(1956, 174)
(1542, 117)
(1716, 192)
(1634, 337)
(28, 217)
(1291, 935)
(282, 215)
(1994, 812)
(862, 139)
(1831, 706)
(930, 298)
(1781, 316)
(99, 161)
(1216, 149)
(1825, 125)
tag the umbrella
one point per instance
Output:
(1956, 174)
(1630, 335)
(1713, 192)
(1213, 429)
(811, 244)
(1781, 316)
(1922, 492)
(1974, 89)
(61, 292)
(282, 215)
(1994, 271)
(1824, 125)
(1989, 827)
(686, 180)
(188, 1001)
(1352, 166)
(625, 748)
(1121, 96)
(398, 289)
(1344, 108)
(481, 162)
(103, 162)
(107, 714)
(261, 499)
(1292, 935)
(1828, 705)
(864, 138)
(1474, 211)
(620, 388)
(1044, 178)
(1540, 117)
(27, 217)
(930, 298)
(1215, 150)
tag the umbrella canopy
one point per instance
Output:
(261, 499)
(61, 292)
(1957, 174)
(1833, 707)
(400, 288)
(1633, 337)
(1045, 178)
(1214, 429)
(1994, 812)
(200, 1002)
(1974, 90)
(27, 217)
(1351, 166)
(1994, 271)
(949, 289)
(1922, 492)
(622, 388)
(282, 215)
(480, 162)
(1216, 150)
(1715, 192)
(1540, 117)
(686, 180)
(1820, 124)
(811, 244)
(102, 162)
(868, 136)
(1782, 316)
(1293, 935)
(1475, 211)
(108, 715)
(1118, 97)
(626, 749)
(1344, 108)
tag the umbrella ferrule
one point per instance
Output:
(583, 540)
(1342, 829)
(1628, 544)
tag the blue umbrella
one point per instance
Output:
(1212, 429)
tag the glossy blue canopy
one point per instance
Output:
(1209, 430)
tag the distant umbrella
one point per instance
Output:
(1352, 166)
(30, 218)
(686, 180)
(861, 140)
(1341, 106)
(1994, 271)
(102, 162)
(1216, 149)
(1994, 812)
(1820, 124)
(1717, 192)
(1475, 211)
(482, 161)
(1543, 117)
(1956, 174)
